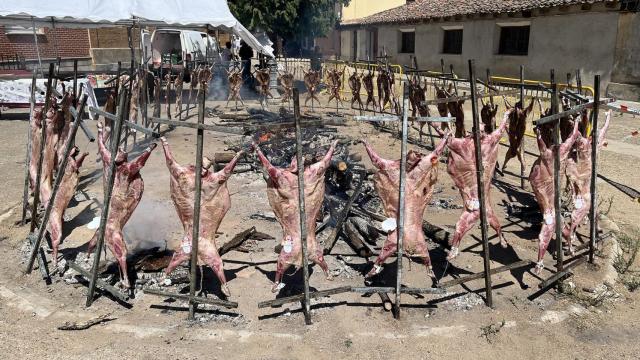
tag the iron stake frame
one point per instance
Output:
(116, 135)
(27, 162)
(593, 216)
(480, 181)
(56, 185)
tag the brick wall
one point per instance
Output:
(70, 43)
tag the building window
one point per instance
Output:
(452, 43)
(630, 5)
(514, 40)
(407, 41)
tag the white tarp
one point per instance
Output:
(97, 13)
(18, 91)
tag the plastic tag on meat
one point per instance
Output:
(288, 246)
(389, 225)
(94, 224)
(579, 203)
(186, 246)
(548, 218)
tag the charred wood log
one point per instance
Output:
(356, 240)
(236, 240)
(368, 231)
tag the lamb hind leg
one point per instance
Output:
(212, 258)
(389, 249)
(495, 224)
(119, 250)
(318, 259)
(55, 231)
(281, 267)
(465, 223)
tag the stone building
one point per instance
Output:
(597, 37)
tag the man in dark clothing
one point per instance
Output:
(246, 53)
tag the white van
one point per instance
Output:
(180, 46)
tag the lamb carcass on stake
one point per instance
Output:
(579, 175)
(286, 80)
(263, 76)
(36, 146)
(65, 192)
(335, 84)
(367, 81)
(53, 125)
(178, 85)
(516, 130)
(125, 197)
(234, 76)
(64, 126)
(214, 204)
(488, 115)
(541, 178)
(311, 82)
(110, 107)
(422, 174)
(462, 169)
(443, 109)
(355, 84)
(167, 94)
(282, 192)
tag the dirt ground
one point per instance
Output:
(589, 321)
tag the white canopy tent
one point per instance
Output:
(102, 13)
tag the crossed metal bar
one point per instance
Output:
(56, 185)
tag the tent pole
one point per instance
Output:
(35, 38)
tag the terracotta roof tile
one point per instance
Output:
(429, 9)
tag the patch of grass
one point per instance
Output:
(629, 247)
(631, 282)
(348, 343)
(490, 331)
(609, 202)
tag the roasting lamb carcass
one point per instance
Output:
(542, 182)
(263, 77)
(53, 124)
(235, 85)
(127, 191)
(422, 174)
(516, 130)
(286, 80)
(214, 204)
(282, 191)
(367, 81)
(462, 169)
(311, 82)
(579, 174)
(488, 115)
(36, 146)
(355, 84)
(178, 85)
(335, 85)
(65, 192)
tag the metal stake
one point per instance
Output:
(25, 194)
(196, 209)
(115, 135)
(75, 79)
(480, 181)
(593, 216)
(306, 304)
(56, 185)
(556, 177)
(522, 169)
(403, 176)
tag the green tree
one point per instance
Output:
(275, 17)
(293, 19)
